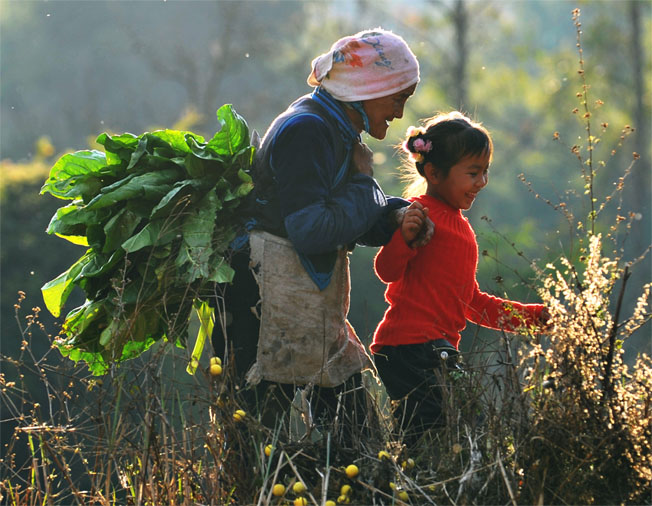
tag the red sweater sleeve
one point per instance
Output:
(501, 314)
(392, 259)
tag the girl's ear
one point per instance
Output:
(432, 174)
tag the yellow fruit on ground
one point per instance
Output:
(216, 369)
(352, 470)
(278, 490)
(300, 501)
(299, 488)
(268, 450)
(403, 496)
(345, 490)
(216, 360)
(330, 503)
(239, 415)
(382, 454)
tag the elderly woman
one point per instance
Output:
(315, 198)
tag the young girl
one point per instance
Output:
(432, 290)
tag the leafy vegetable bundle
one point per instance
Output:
(157, 212)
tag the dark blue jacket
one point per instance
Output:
(304, 189)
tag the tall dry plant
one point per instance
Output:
(589, 420)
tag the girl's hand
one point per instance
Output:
(545, 322)
(416, 227)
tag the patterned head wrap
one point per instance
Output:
(370, 64)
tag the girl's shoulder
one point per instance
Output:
(436, 206)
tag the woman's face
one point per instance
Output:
(381, 111)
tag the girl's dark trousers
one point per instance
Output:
(413, 375)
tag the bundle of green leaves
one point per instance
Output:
(157, 213)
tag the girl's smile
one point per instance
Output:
(462, 184)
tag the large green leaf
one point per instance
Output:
(155, 233)
(120, 228)
(72, 175)
(178, 198)
(100, 264)
(177, 140)
(72, 220)
(221, 271)
(56, 292)
(119, 148)
(197, 231)
(150, 186)
(233, 134)
(95, 362)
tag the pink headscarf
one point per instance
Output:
(370, 64)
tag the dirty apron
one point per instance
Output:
(305, 337)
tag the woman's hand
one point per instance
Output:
(362, 160)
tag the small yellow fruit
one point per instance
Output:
(457, 448)
(216, 360)
(268, 450)
(299, 488)
(239, 415)
(403, 496)
(216, 369)
(407, 464)
(392, 485)
(382, 454)
(278, 490)
(345, 490)
(343, 500)
(352, 470)
(330, 503)
(300, 501)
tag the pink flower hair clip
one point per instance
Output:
(422, 146)
(419, 145)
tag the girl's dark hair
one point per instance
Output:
(443, 141)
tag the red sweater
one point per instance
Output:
(432, 290)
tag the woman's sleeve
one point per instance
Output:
(384, 228)
(501, 314)
(317, 219)
(393, 258)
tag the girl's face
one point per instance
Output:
(465, 179)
